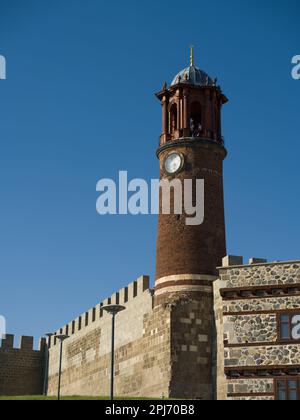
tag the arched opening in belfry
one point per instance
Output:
(196, 120)
(173, 119)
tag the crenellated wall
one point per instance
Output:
(177, 348)
(22, 368)
(142, 348)
(161, 350)
(128, 297)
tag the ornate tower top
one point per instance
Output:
(191, 106)
(193, 75)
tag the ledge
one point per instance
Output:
(259, 265)
(190, 142)
(248, 372)
(260, 292)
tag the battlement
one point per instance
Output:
(26, 343)
(231, 261)
(22, 367)
(123, 297)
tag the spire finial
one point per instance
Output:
(192, 56)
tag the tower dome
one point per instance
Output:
(192, 75)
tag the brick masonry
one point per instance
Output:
(183, 249)
(21, 369)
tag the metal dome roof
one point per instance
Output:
(193, 76)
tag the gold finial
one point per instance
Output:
(192, 56)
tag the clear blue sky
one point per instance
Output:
(79, 105)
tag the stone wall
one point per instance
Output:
(262, 274)
(254, 386)
(21, 369)
(251, 328)
(253, 298)
(262, 355)
(259, 305)
(161, 351)
(143, 352)
(191, 346)
(179, 348)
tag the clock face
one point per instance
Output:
(173, 163)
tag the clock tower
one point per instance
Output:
(191, 148)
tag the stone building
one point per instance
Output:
(211, 328)
(257, 312)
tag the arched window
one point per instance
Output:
(173, 119)
(196, 120)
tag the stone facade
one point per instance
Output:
(21, 369)
(191, 348)
(161, 350)
(177, 348)
(251, 302)
(142, 353)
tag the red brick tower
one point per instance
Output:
(191, 147)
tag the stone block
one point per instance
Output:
(257, 261)
(231, 260)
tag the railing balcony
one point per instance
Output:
(165, 139)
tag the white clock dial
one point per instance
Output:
(173, 163)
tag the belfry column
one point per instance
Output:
(165, 118)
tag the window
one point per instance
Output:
(196, 120)
(289, 327)
(285, 333)
(288, 390)
(173, 119)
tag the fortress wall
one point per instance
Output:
(21, 369)
(142, 348)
